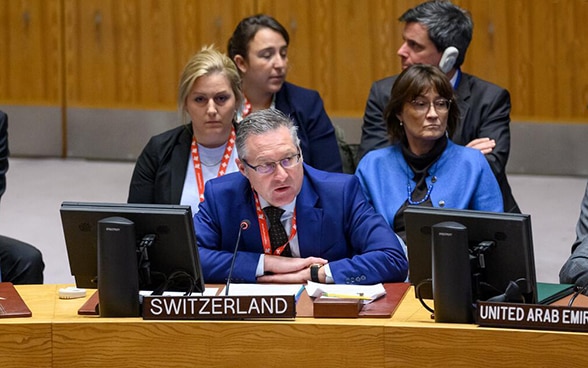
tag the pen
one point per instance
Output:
(346, 296)
(297, 296)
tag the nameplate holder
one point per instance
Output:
(219, 307)
(336, 308)
(532, 316)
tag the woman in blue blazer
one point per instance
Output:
(259, 48)
(423, 166)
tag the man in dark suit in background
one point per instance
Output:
(439, 33)
(575, 270)
(20, 263)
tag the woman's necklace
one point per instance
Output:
(422, 167)
(423, 200)
(409, 188)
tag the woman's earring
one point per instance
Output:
(400, 122)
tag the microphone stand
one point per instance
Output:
(244, 225)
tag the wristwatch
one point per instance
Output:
(314, 272)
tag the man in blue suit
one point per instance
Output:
(330, 233)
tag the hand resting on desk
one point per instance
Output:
(288, 270)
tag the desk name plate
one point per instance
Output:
(219, 307)
(532, 316)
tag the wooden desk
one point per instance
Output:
(414, 339)
(91, 341)
(409, 338)
(27, 342)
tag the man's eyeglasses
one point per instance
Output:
(423, 105)
(270, 167)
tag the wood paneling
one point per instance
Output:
(128, 54)
(534, 49)
(26, 345)
(340, 47)
(30, 61)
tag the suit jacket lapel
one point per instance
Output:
(309, 219)
(251, 236)
(283, 100)
(179, 163)
(463, 102)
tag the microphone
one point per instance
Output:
(243, 226)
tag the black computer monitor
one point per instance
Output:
(509, 256)
(169, 229)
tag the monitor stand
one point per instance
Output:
(118, 273)
(452, 283)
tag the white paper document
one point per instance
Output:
(367, 293)
(264, 289)
(207, 292)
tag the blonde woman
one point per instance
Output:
(175, 165)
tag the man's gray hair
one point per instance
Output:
(260, 122)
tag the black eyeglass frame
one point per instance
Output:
(441, 105)
(271, 166)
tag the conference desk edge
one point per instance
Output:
(57, 336)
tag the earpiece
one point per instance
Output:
(448, 59)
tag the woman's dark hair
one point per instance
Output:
(246, 30)
(415, 81)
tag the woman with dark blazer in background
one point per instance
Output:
(259, 48)
(175, 165)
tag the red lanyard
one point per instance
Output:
(264, 230)
(223, 165)
(246, 107)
